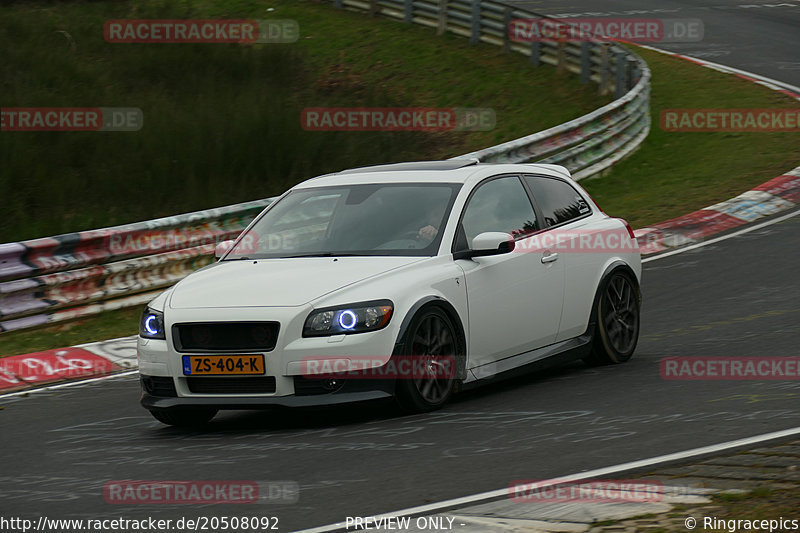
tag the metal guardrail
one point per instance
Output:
(587, 145)
(52, 279)
(67, 276)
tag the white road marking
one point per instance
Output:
(722, 238)
(731, 70)
(714, 448)
(590, 474)
(67, 385)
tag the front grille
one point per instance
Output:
(225, 336)
(252, 385)
(159, 386)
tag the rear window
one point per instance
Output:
(558, 200)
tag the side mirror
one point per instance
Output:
(222, 248)
(488, 243)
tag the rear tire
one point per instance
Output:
(432, 337)
(184, 416)
(617, 312)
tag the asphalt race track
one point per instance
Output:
(737, 297)
(362, 460)
(759, 36)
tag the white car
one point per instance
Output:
(410, 280)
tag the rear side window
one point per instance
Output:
(558, 200)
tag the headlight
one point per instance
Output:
(344, 319)
(151, 326)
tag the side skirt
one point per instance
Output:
(538, 359)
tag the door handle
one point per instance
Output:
(550, 258)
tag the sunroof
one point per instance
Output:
(450, 164)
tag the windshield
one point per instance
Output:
(371, 219)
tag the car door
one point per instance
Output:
(566, 213)
(514, 299)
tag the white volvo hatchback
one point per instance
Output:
(411, 280)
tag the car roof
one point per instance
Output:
(447, 171)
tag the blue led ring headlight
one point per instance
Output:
(151, 325)
(345, 319)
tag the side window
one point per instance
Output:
(557, 199)
(498, 205)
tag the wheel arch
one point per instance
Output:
(615, 266)
(452, 313)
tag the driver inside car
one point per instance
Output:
(431, 220)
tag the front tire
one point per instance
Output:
(432, 338)
(618, 310)
(184, 416)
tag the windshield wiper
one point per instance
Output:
(319, 254)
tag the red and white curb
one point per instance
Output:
(769, 83)
(767, 199)
(95, 359)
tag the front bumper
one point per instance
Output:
(350, 391)
(285, 365)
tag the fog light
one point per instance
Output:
(332, 384)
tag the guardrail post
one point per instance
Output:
(409, 11)
(475, 37)
(604, 68)
(586, 64)
(620, 69)
(535, 53)
(506, 32)
(337, 3)
(561, 56)
(442, 17)
(373, 7)
(630, 69)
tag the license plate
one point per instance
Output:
(222, 365)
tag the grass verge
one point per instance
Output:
(676, 173)
(109, 325)
(760, 504)
(222, 121)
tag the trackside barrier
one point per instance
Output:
(58, 278)
(587, 145)
(52, 279)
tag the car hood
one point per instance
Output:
(277, 282)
